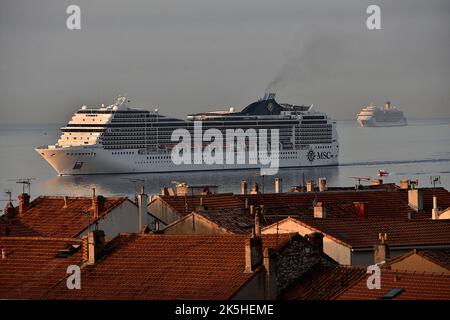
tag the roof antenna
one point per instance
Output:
(26, 183)
(434, 180)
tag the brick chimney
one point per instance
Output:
(253, 253)
(95, 245)
(435, 211)
(257, 221)
(10, 211)
(255, 188)
(323, 184)
(24, 203)
(244, 187)
(381, 250)
(309, 186)
(270, 281)
(98, 204)
(361, 209)
(377, 182)
(415, 199)
(278, 185)
(316, 241)
(319, 211)
(405, 184)
(142, 202)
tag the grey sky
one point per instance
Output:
(195, 55)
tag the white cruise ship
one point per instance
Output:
(123, 139)
(389, 116)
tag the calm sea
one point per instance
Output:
(419, 150)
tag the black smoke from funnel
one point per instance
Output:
(312, 60)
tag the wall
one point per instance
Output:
(336, 251)
(417, 263)
(162, 211)
(192, 225)
(123, 218)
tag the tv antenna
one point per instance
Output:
(359, 179)
(26, 184)
(435, 180)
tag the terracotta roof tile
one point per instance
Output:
(186, 204)
(235, 220)
(324, 282)
(359, 233)
(414, 286)
(31, 266)
(48, 217)
(167, 267)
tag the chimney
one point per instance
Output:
(323, 184)
(10, 211)
(270, 283)
(255, 188)
(435, 211)
(377, 182)
(98, 204)
(257, 222)
(253, 253)
(278, 185)
(381, 250)
(309, 186)
(319, 211)
(361, 209)
(96, 245)
(142, 208)
(415, 199)
(405, 184)
(24, 203)
(200, 207)
(316, 241)
(244, 187)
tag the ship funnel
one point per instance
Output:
(269, 95)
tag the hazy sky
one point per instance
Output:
(195, 55)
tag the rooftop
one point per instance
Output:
(324, 283)
(409, 285)
(56, 216)
(31, 266)
(167, 267)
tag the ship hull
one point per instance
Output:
(88, 161)
(375, 123)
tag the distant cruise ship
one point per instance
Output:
(122, 139)
(388, 116)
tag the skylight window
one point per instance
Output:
(391, 294)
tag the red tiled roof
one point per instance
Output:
(31, 266)
(414, 287)
(324, 282)
(381, 204)
(443, 198)
(440, 257)
(48, 217)
(234, 220)
(186, 204)
(167, 267)
(361, 233)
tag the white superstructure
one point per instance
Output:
(121, 139)
(389, 116)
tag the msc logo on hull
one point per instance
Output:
(322, 155)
